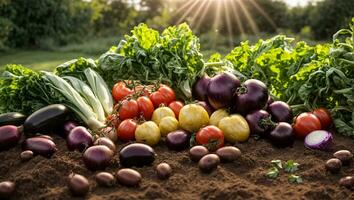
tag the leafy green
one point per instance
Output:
(277, 163)
(305, 76)
(24, 90)
(291, 166)
(273, 173)
(295, 179)
(172, 57)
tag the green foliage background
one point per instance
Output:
(46, 24)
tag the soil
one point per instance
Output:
(42, 178)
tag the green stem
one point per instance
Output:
(214, 64)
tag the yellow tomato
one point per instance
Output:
(162, 112)
(167, 125)
(192, 117)
(217, 116)
(148, 133)
(235, 128)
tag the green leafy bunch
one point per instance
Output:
(172, 57)
(24, 90)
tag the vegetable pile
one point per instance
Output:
(156, 89)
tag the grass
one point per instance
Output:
(48, 60)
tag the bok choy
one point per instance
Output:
(74, 100)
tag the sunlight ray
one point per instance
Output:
(237, 17)
(216, 24)
(248, 16)
(228, 24)
(187, 12)
(262, 12)
(203, 15)
(184, 7)
(197, 12)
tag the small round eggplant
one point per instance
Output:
(198, 152)
(344, 155)
(228, 153)
(97, 157)
(178, 140)
(79, 139)
(251, 96)
(7, 189)
(26, 155)
(259, 122)
(209, 163)
(221, 89)
(282, 135)
(280, 112)
(105, 179)
(137, 155)
(9, 137)
(106, 142)
(347, 182)
(200, 87)
(333, 165)
(129, 177)
(163, 170)
(78, 185)
(40, 146)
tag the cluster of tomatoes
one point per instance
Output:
(135, 105)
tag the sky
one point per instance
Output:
(293, 3)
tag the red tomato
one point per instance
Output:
(164, 95)
(176, 106)
(146, 107)
(210, 136)
(157, 99)
(168, 93)
(126, 130)
(324, 116)
(120, 90)
(128, 109)
(305, 123)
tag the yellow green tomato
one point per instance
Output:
(162, 112)
(148, 133)
(167, 125)
(235, 128)
(217, 116)
(192, 117)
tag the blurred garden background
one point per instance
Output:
(44, 33)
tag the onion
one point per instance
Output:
(319, 139)
(200, 87)
(251, 96)
(259, 122)
(280, 112)
(111, 133)
(9, 137)
(79, 139)
(221, 89)
(97, 157)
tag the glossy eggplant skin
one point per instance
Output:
(46, 118)
(137, 155)
(12, 118)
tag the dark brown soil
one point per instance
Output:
(42, 178)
